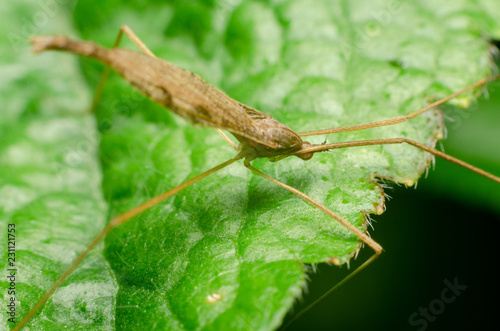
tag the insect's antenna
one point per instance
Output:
(114, 223)
(398, 119)
(391, 141)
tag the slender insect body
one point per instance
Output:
(260, 136)
(191, 97)
(180, 90)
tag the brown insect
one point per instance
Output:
(259, 135)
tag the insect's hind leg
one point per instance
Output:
(117, 221)
(133, 37)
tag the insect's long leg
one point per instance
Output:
(367, 240)
(390, 141)
(398, 119)
(363, 236)
(228, 140)
(320, 148)
(330, 291)
(133, 37)
(114, 223)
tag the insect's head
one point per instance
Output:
(303, 153)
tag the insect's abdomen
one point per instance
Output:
(186, 94)
(62, 43)
(182, 91)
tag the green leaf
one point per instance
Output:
(50, 181)
(229, 251)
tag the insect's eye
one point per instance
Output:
(306, 156)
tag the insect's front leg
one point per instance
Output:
(392, 141)
(361, 235)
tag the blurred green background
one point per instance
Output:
(445, 229)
